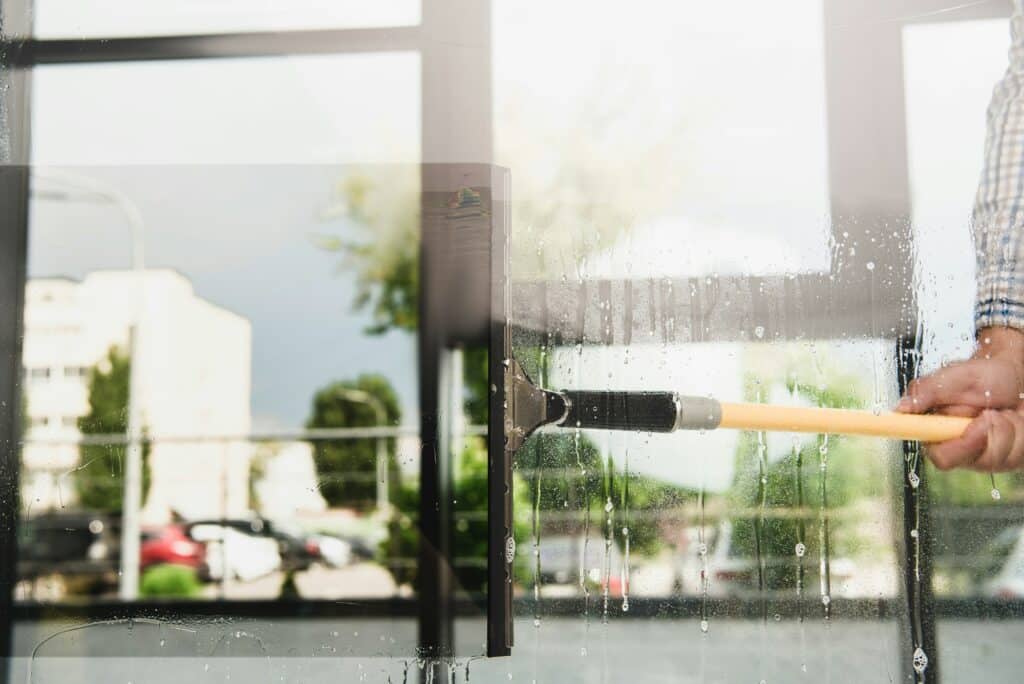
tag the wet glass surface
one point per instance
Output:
(752, 203)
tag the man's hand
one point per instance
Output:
(989, 387)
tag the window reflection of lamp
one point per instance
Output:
(64, 187)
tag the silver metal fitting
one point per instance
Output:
(697, 413)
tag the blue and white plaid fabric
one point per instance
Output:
(999, 207)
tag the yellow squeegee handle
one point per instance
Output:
(925, 428)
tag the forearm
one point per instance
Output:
(999, 208)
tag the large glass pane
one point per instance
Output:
(630, 127)
(117, 18)
(295, 110)
(672, 231)
(975, 518)
(208, 299)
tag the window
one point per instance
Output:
(260, 233)
(38, 374)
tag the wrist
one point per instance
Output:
(1002, 343)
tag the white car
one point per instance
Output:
(336, 552)
(234, 554)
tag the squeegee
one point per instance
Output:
(532, 407)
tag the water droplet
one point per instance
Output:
(920, 660)
(608, 507)
(778, 617)
(583, 651)
(704, 626)
(759, 332)
(536, 622)
(702, 549)
(801, 550)
(871, 265)
(914, 480)
(826, 599)
(913, 533)
(996, 496)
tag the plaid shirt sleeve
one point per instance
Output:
(998, 216)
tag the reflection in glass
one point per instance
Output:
(279, 455)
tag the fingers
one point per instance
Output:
(964, 450)
(992, 443)
(977, 384)
(1004, 449)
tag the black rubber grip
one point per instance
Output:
(635, 411)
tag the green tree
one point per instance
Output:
(99, 480)
(347, 468)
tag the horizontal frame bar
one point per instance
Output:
(668, 607)
(31, 52)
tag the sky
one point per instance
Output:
(231, 161)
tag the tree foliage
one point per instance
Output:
(99, 480)
(380, 209)
(347, 468)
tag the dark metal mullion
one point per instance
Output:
(33, 52)
(917, 533)
(14, 189)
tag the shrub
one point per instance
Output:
(169, 580)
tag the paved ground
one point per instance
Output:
(560, 651)
(362, 580)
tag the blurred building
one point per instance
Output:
(195, 365)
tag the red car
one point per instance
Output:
(171, 545)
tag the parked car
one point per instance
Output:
(334, 551)
(234, 554)
(83, 548)
(560, 558)
(171, 545)
(295, 552)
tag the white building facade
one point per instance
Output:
(195, 363)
